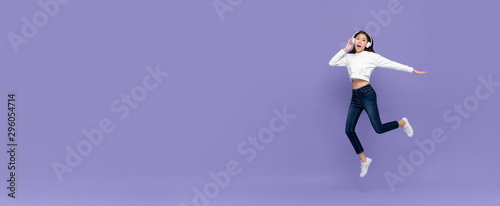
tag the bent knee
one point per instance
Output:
(349, 132)
(379, 130)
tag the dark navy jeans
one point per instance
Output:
(365, 98)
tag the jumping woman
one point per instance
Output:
(360, 62)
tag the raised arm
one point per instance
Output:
(340, 59)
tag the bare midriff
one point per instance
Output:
(358, 83)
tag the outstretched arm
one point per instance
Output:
(419, 72)
(381, 61)
(386, 63)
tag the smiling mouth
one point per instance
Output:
(358, 46)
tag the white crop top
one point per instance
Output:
(361, 65)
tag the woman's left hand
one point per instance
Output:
(419, 72)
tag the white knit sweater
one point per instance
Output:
(361, 65)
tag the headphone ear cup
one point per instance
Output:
(368, 45)
(352, 41)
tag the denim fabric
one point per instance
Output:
(365, 98)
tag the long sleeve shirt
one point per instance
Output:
(361, 65)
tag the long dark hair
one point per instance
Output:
(369, 38)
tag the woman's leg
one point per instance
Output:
(401, 123)
(369, 102)
(362, 157)
(355, 109)
(350, 124)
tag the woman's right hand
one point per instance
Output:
(348, 46)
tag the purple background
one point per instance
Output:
(226, 77)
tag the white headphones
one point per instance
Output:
(367, 44)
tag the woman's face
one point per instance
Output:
(360, 42)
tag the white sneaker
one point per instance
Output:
(408, 129)
(364, 167)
